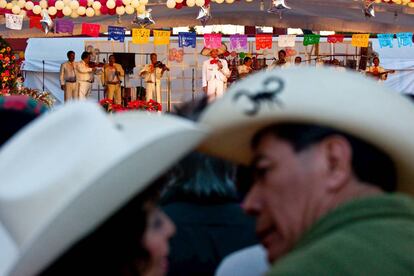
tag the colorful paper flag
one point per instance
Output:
(187, 39)
(405, 39)
(14, 21)
(385, 40)
(140, 36)
(238, 42)
(286, 41)
(360, 40)
(91, 29)
(335, 38)
(311, 39)
(263, 41)
(116, 33)
(161, 37)
(34, 22)
(212, 41)
(64, 26)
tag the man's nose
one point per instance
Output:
(252, 203)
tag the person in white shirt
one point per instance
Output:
(215, 72)
(67, 77)
(84, 76)
(281, 62)
(298, 61)
(246, 68)
(152, 74)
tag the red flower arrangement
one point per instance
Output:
(151, 106)
(9, 66)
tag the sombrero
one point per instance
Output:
(345, 101)
(221, 50)
(68, 171)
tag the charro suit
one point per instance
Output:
(214, 78)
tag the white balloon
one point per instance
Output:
(129, 9)
(74, 5)
(200, 3)
(190, 3)
(96, 5)
(90, 3)
(37, 9)
(23, 12)
(81, 10)
(229, 1)
(3, 4)
(52, 11)
(135, 3)
(219, 1)
(110, 4)
(67, 11)
(66, 2)
(144, 2)
(141, 9)
(120, 10)
(171, 4)
(43, 4)
(74, 14)
(59, 5)
(97, 12)
(126, 2)
(9, 6)
(21, 3)
(179, 1)
(28, 6)
(16, 9)
(90, 12)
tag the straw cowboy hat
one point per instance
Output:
(341, 100)
(68, 171)
(221, 50)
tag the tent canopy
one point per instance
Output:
(332, 15)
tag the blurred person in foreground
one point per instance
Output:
(16, 112)
(331, 191)
(100, 220)
(203, 204)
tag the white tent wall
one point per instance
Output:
(399, 59)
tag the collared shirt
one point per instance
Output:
(211, 71)
(150, 76)
(83, 72)
(67, 72)
(109, 74)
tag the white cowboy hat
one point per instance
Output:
(341, 100)
(221, 50)
(68, 171)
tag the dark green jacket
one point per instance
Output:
(371, 236)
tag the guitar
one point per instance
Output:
(379, 75)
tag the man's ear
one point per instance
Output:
(337, 152)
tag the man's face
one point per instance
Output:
(111, 60)
(87, 59)
(214, 53)
(288, 187)
(153, 59)
(298, 60)
(249, 63)
(282, 55)
(376, 62)
(71, 57)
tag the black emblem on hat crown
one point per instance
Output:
(271, 87)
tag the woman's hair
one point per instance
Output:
(116, 246)
(201, 179)
(369, 163)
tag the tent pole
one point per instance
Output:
(43, 76)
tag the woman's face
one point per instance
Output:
(157, 234)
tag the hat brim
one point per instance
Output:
(206, 51)
(109, 189)
(345, 101)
